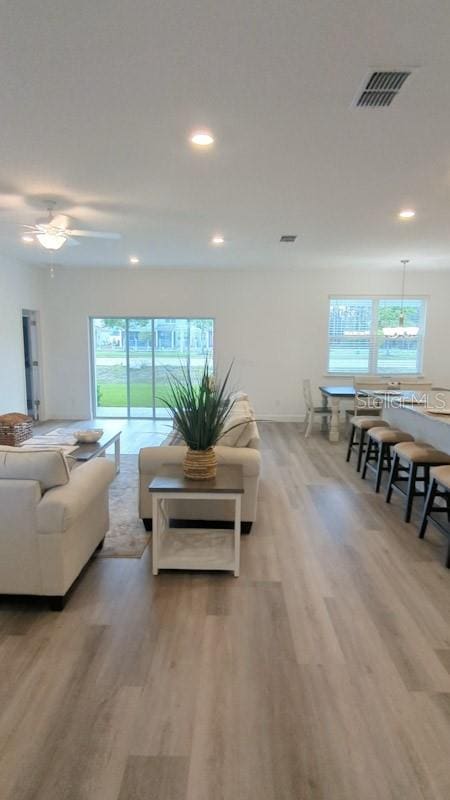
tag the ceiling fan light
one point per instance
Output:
(51, 241)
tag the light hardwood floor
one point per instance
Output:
(135, 433)
(322, 673)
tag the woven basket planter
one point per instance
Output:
(200, 465)
(14, 433)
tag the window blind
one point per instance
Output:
(377, 336)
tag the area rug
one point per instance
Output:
(126, 537)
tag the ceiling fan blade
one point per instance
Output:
(95, 234)
(11, 201)
(72, 242)
(60, 221)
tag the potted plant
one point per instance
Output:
(199, 412)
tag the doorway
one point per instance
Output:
(31, 362)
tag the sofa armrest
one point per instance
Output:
(60, 507)
(151, 460)
(246, 457)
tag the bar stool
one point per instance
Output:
(439, 487)
(409, 458)
(378, 450)
(361, 424)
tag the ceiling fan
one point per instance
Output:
(53, 232)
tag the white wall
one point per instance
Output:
(19, 289)
(274, 324)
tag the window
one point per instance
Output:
(132, 358)
(375, 336)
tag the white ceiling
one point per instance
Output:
(97, 100)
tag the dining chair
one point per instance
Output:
(311, 410)
(363, 405)
(368, 406)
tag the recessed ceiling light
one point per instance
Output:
(202, 138)
(407, 213)
(27, 239)
(217, 240)
(134, 260)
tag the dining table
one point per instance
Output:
(333, 396)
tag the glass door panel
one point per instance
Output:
(140, 359)
(171, 347)
(110, 367)
(201, 341)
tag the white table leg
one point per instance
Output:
(237, 536)
(155, 533)
(117, 454)
(324, 425)
(334, 423)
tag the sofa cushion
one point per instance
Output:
(235, 396)
(237, 427)
(48, 467)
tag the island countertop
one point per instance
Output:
(419, 422)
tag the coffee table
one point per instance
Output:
(195, 548)
(85, 452)
(64, 438)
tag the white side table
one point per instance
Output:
(195, 548)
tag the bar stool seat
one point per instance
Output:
(409, 457)
(389, 435)
(361, 424)
(421, 453)
(442, 475)
(378, 450)
(365, 423)
(439, 487)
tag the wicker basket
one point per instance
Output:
(200, 465)
(15, 429)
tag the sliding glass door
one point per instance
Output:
(140, 361)
(171, 356)
(132, 359)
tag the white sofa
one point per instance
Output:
(240, 446)
(51, 520)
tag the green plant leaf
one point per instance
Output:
(199, 410)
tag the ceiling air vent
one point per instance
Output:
(380, 88)
(288, 238)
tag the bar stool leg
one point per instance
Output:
(426, 479)
(362, 439)
(370, 445)
(392, 477)
(351, 443)
(429, 502)
(410, 491)
(383, 450)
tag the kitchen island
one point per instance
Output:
(418, 421)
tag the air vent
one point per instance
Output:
(380, 88)
(288, 238)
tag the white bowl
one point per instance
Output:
(89, 436)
